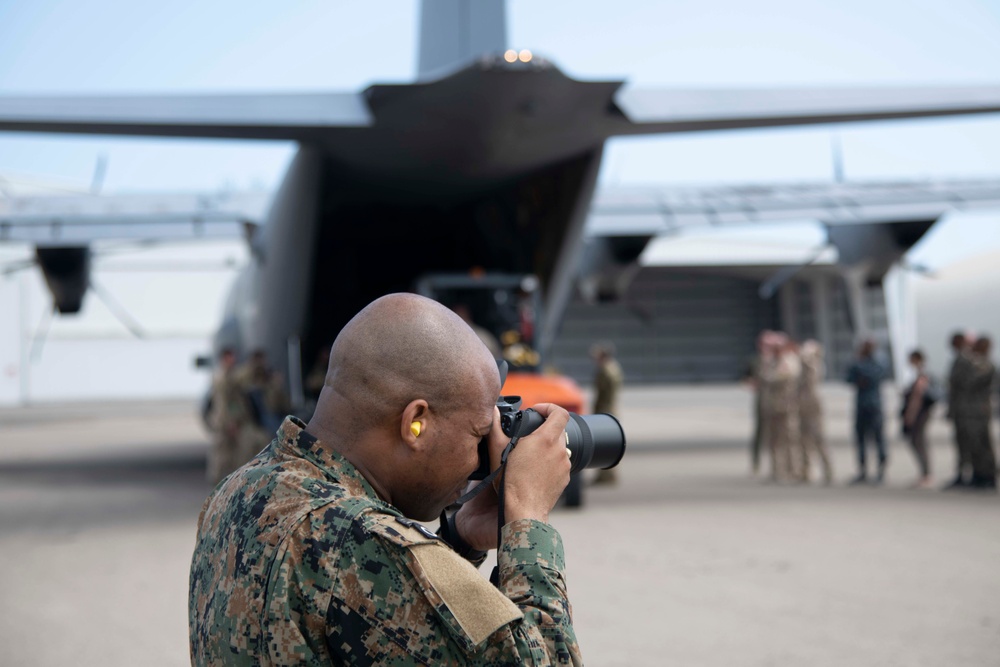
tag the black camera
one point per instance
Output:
(596, 441)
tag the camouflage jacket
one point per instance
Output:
(779, 384)
(298, 561)
(959, 376)
(975, 379)
(230, 408)
(813, 371)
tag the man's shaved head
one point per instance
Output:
(402, 347)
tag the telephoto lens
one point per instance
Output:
(595, 441)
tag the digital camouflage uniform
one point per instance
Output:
(779, 377)
(298, 561)
(265, 388)
(960, 409)
(231, 421)
(976, 412)
(811, 417)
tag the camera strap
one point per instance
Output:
(500, 475)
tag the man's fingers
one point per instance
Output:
(556, 419)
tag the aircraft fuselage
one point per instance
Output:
(492, 168)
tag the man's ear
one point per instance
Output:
(414, 423)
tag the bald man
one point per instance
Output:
(312, 554)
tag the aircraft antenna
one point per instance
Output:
(100, 170)
(837, 155)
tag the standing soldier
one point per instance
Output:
(866, 374)
(264, 391)
(780, 373)
(810, 410)
(980, 408)
(608, 380)
(958, 381)
(228, 417)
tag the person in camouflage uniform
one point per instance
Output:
(312, 553)
(608, 381)
(230, 419)
(959, 377)
(779, 376)
(811, 411)
(265, 389)
(979, 411)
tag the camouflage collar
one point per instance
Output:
(293, 440)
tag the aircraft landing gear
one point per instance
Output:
(573, 494)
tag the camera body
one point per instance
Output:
(596, 441)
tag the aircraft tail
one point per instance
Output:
(455, 32)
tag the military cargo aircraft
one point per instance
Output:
(488, 160)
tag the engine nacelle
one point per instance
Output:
(67, 274)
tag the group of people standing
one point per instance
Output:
(245, 407)
(786, 377)
(970, 388)
(970, 392)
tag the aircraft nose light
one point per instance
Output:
(524, 56)
(510, 55)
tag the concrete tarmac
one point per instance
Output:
(687, 560)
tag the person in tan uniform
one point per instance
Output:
(608, 381)
(780, 373)
(810, 440)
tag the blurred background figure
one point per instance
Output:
(811, 411)
(608, 381)
(316, 377)
(867, 374)
(752, 377)
(779, 379)
(958, 406)
(489, 340)
(265, 389)
(984, 464)
(918, 403)
(228, 417)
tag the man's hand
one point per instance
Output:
(537, 472)
(538, 468)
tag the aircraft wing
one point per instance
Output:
(296, 117)
(635, 211)
(695, 110)
(82, 220)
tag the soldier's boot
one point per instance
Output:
(880, 475)
(862, 478)
(983, 483)
(956, 484)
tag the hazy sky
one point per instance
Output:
(64, 46)
(70, 46)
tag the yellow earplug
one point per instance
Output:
(415, 429)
